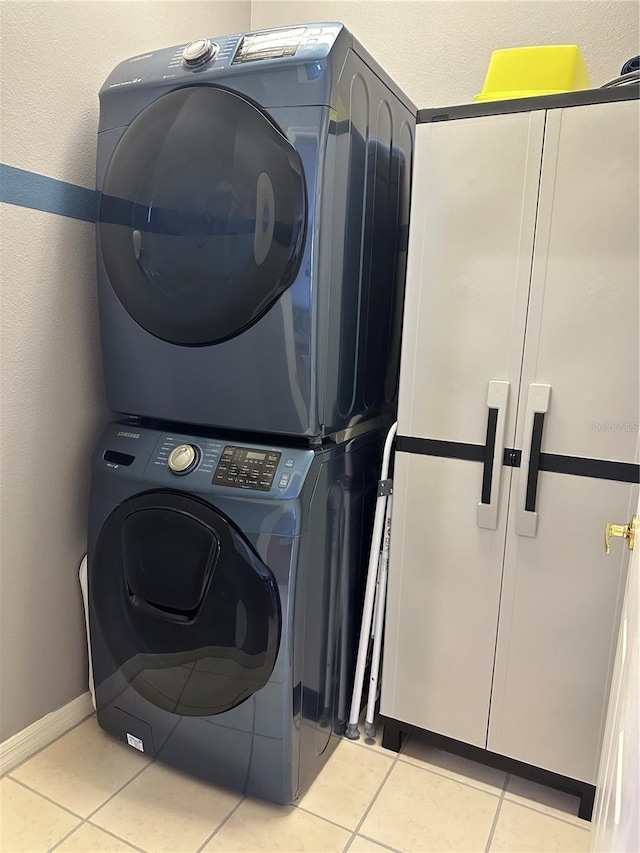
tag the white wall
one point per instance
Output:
(438, 50)
(54, 59)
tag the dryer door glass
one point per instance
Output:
(202, 216)
(188, 611)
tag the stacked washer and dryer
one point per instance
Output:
(252, 233)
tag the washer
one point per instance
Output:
(254, 200)
(225, 587)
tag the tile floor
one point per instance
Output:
(88, 793)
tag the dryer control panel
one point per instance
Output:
(209, 56)
(276, 44)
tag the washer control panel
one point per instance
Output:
(247, 468)
(205, 463)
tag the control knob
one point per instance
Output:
(183, 458)
(199, 52)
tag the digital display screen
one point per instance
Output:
(247, 468)
(270, 45)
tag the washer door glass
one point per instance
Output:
(189, 612)
(202, 216)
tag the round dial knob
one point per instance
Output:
(199, 51)
(183, 458)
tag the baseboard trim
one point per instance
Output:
(23, 744)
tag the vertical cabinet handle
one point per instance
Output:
(497, 399)
(537, 407)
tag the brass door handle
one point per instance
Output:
(624, 531)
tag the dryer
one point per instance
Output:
(252, 232)
(224, 587)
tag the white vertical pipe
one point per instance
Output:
(376, 654)
(370, 590)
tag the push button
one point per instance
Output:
(284, 480)
(289, 463)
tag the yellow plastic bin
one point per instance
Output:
(524, 72)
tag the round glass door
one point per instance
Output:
(188, 611)
(202, 216)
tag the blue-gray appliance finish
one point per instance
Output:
(252, 233)
(224, 603)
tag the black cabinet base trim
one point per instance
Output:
(395, 729)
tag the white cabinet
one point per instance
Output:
(517, 431)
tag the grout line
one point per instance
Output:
(82, 820)
(45, 797)
(381, 843)
(101, 829)
(64, 837)
(117, 837)
(222, 823)
(115, 793)
(47, 745)
(392, 756)
(347, 846)
(429, 769)
(87, 819)
(322, 817)
(380, 750)
(532, 806)
(372, 801)
(507, 779)
(496, 817)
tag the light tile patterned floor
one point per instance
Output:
(87, 793)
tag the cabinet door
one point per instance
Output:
(473, 209)
(558, 619)
(472, 224)
(442, 605)
(561, 595)
(616, 823)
